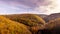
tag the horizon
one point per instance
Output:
(25, 13)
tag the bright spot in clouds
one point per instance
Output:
(54, 7)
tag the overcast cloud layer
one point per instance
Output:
(28, 6)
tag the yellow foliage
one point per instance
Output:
(33, 21)
(11, 27)
(27, 19)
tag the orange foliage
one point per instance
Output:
(11, 27)
(34, 22)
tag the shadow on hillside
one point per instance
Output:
(46, 31)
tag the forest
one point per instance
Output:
(30, 24)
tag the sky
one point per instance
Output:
(29, 6)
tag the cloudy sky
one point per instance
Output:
(29, 6)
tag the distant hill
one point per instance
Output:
(52, 27)
(18, 17)
(11, 27)
(42, 15)
(55, 23)
(52, 16)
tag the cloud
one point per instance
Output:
(30, 3)
(52, 7)
(12, 9)
(29, 6)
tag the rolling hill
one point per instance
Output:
(52, 16)
(27, 18)
(11, 27)
(54, 26)
(42, 15)
(34, 22)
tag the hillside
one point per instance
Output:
(11, 27)
(31, 20)
(42, 15)
(52, 27)
(52, 16)
(35, 24)
(55, 23)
